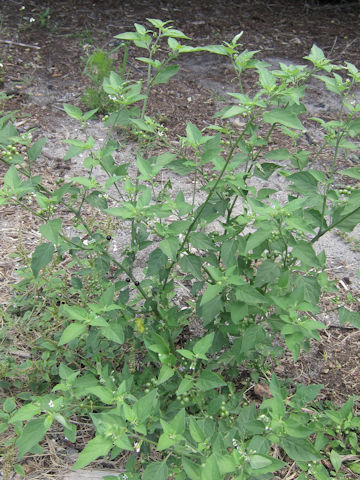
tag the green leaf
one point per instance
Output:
(72, 111)
(174, 33)
(144, 406)
(99, 446)
(249, 295)
(12, 179)
(209, 380)
(239, 310)
(211, 292)
(114, 332)
(19, 470)
(35, 149)
(97, 199)
(25, 413)
(157, 260)
(202, 346)
(202, 241)
(335, 459)
(165, 373)
(165, 441)
(353, 172)
(185, 385)
(193, 135)
(257, 238)
(263, 464)
(354, 467)
(32, 434)
(51, 229)
(123, 442)
(278, 154)
(160, 345)
(170, 247)
(195, 431)
(74, 330)
(305, 394)
(9, 405)
(185, 353)
(156, 471)
(193, 470)
(304, 252)
(125, 212)
(142, 126)
(217, 49)
(103, 393)
(283, 117)
(253, 336)
(165, 74)
(346, 315)
(267, 272)
(191, 264)
(299, 449)
(211, 470)
(75, 312)
(41, 257)
(178, 422)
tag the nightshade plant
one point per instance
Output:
(116, 348)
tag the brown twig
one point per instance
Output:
(19, 44)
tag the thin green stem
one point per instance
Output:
(202, 207)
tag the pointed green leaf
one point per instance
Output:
(193, 135)
(170, 247)
(299, 449)
(41, 257)
(144, 406)
(72, 111)
(103, 393)
(114, 331)
(191, 264)
(165, 74)
(51, 229)
(195, 431)
(165, 373)
(193, 470)
(32, 434)
(202, 346)
(74, 330)
(35, 149)
(209, 380)
(11, 178)
(26, 412)
(283, 117)
(211, 470)
(99, 446)
(156, 471)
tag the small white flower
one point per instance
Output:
(1, 65)
(51, 404)
(86, 242)
(22, 8)
(32, 20)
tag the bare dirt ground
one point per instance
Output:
(43, 69)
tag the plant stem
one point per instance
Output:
(202, 207)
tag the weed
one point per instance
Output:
(115, 347)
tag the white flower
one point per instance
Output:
(51, 404)
(22, 8)
(32, 20)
